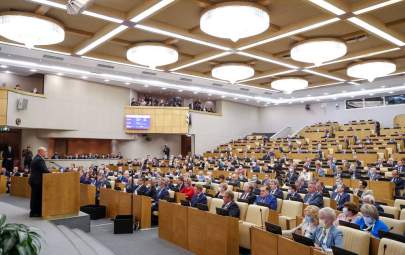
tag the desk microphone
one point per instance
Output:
(261, 218)
(385, 247)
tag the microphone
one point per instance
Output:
(261, 218)
(385, 247)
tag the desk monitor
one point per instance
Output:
(184, 203)
(393, 236)
(303, 240)
(349, 224)
(241, 200)
(387, 215)
(221, 211)
(273, 228)
(202, 207)
(340, 251)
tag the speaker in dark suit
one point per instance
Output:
(38, 168)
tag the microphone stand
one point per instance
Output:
(132, 198)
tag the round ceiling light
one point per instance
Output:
(232, 72)
(318, 51)
(371, 69)
(288, 85)
(235, 20)
(152, 54)
(30, 29)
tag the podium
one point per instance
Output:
(60, 194)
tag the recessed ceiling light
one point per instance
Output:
(60, 74)
(371, 69)
(235, 20)
(180, 90)
(7, 71)
(288, 85)
(391, 92)
(152, 54)
(371, 94)
(146, 85)
(223, 96)
(209, 94)
(106, 80)
(235, 98)
(84, 77)
(195, 92)
(30, 29)
(33, 70)
(4, 66)
(127, 83)
(232, 72)
(319, 50)
(163, 88)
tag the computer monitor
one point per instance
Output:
(387, 215)
(202, 207)
(273, 228)
(349, 224)
(261, 204)
(303, 240)
(221, 211)
(339, 251)
(243, 200)
(393, 236)
(184, 202)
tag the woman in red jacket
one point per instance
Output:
(188, 189)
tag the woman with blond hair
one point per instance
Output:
(309, 224)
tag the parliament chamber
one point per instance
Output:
(203, 127)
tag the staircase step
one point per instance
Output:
(81, 246)
(96, 245)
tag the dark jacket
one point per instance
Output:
(232, 208)
(38, 167)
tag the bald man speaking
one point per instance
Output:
(38, 167)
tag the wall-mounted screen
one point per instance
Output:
(137, 122)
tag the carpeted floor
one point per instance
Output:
(145, 242)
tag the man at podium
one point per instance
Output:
(38, 167)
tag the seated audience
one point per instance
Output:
(327, 234)
(340, 196)
(275, 190)
(313, 197)
(188, 189)
(266, 199)
(309, 224)
(223, 187)
(199, 196)
(399, 182)
(349, 213)
(370, 221)
(247, 193)
(293, 195)
(369, 199)
(230, 205)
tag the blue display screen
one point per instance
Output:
(137, 121)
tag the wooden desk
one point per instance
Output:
(19, 186)
(118, 203)
(60, 194)
(374, 243)
(263, 242)
(382, 190)
(87, 194)
(3, 184)
(198, 231)
(290, 247)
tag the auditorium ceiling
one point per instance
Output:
(105, 32)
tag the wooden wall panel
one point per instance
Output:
(399, 120)
(164, 120)
(3, 107)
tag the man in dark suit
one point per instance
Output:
(141, 189)
(340, 196)
(275, 190)
(8, 159)
(313, 197)
(293, 194)
(38, 168)
(248, 194)
(399, 182)
(199, 196)
(292, 175)
(230, 205)
(163, 193)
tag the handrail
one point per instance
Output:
(284, 132)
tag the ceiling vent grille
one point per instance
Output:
(105, 66)
(148, 73)
(53, 57)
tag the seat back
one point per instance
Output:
(279, 204)
(291, 209)
(391, 210)
(355, 240)
(390, 247)
(402, 215)
(215, 202)
(171, 193)
(398, 226)
(253, 214)
(243, 209)
(326, 201)
(209, 201)
(398, 203)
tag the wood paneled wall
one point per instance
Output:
(163, 120)
(3, 107)
(71, 146)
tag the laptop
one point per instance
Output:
(349, 224)
(221, 211)
(393, 236)
(340, 251)
(184, 203)
(202, 207)
(273, 228)
(303, 240)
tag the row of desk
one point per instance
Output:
(200, 232)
